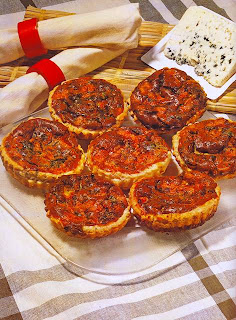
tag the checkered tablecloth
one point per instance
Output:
(196, 283)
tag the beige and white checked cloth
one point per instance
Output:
(195, 283)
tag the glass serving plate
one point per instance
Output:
(130, 250)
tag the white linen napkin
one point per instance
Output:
(111, 28)
(27, 93)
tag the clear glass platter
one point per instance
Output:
(128, 251)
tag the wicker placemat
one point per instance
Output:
(125, 71)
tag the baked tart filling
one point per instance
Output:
(173, 203)
(124, 154)
(167, 100)
(208, 146)
(87, 106)
(86, 207)
(39, 151)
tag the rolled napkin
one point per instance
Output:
(27, 93)
(111, 28)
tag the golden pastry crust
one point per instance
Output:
(87, 106)
(86, 207)
(175, 203)
(208, 146)
(167, 100)
(39, 150)
(125, 154)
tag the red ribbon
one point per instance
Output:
(49, 71)
(30, 39)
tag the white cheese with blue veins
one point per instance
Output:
(205, 41)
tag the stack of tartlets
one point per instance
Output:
(92, 202)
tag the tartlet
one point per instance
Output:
(87, 106)
(174, 203)
(39, 150)
(167, 100)
(208, 146)
(86, 207)
(124, 154)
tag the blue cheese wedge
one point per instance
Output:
(205, 41)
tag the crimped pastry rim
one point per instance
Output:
(175, 221)
(96, 231)
(125, 180)
(193, 119)
(179, 159)
(34, 178)
(84, 133)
